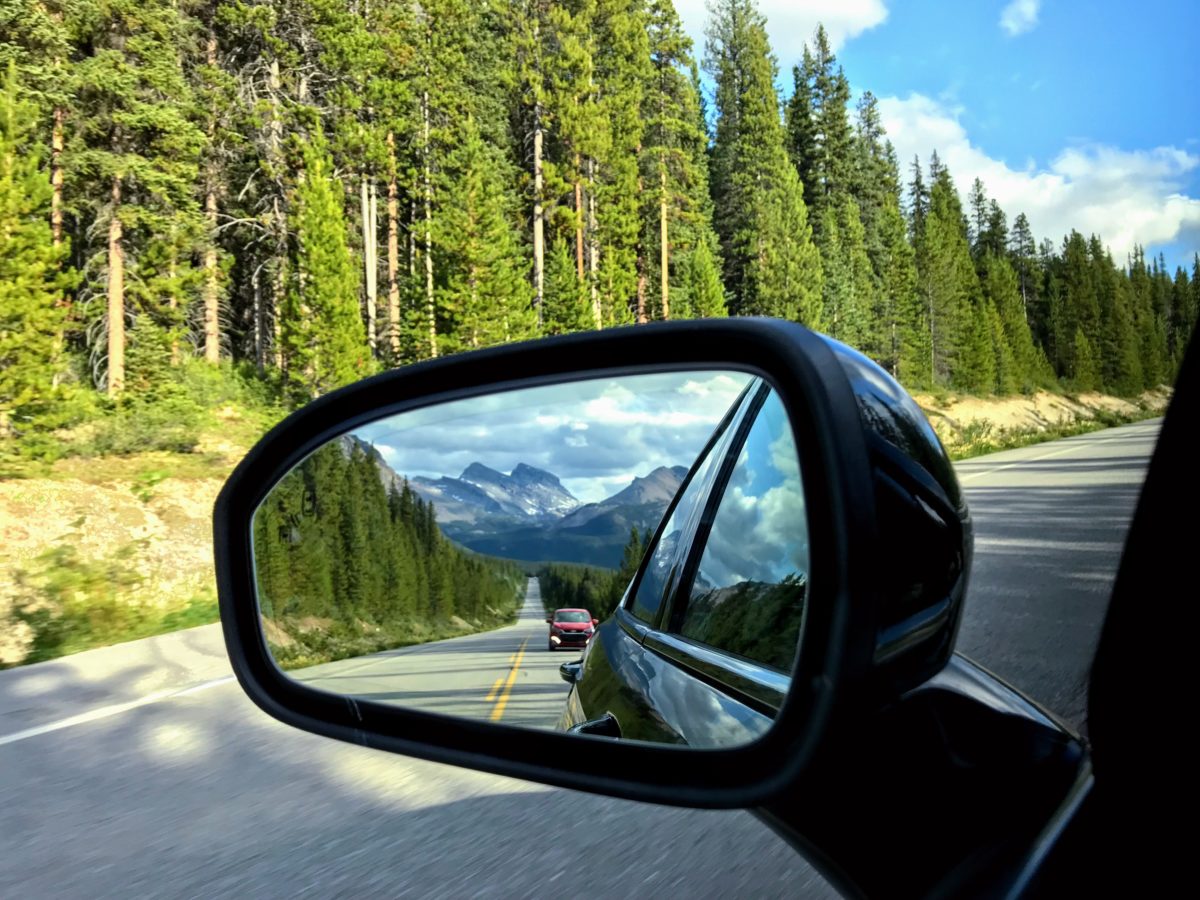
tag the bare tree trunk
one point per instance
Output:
(430, 309)
(211, 291)
(56, 225)
(664, 251)
(473, 289)
(56, 176)
(116, 297)
(539, 225)
(642, 318)
(932, 346)
(593, 246)
(373, 272)
(260, 356)
(173, 302)
(368, 239)
(275, 84)
(895, 367)
(578, 220)
(640, 263)
(412, 239)
(212, 296)
(393, 251)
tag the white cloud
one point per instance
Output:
(1019, 16)
(1126, 196)
(790, 23)
(593, 434)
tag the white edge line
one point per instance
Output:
(1020, 462)
(105, 712)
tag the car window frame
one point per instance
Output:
(679, 599)
(756, 684)
(729, 423)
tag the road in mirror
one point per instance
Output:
(452, 559)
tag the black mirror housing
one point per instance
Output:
(569, 672)
(838, 663)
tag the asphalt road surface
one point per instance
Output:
(142, 770)
(503, 675)
(1050, 524)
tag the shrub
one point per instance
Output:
(71, 603)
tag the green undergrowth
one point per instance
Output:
(332, 641)
(169, 423)
(71, 603)
(980, 436)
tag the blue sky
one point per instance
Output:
(596, 435)
(1082, 115)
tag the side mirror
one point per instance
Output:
(549, 620)
(321, 631)
(595, 622)
(569, 672)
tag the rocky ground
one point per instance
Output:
(159, 506)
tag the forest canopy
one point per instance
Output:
(349, 562)
(312, 190)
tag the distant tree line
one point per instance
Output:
(575, 586)
(315, 189)
(338, 553)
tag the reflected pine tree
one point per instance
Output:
(350, 561)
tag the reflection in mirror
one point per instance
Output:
(442, 559)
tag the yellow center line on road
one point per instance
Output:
(506, 690)
(495, 689)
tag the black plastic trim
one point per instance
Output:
(760, 688)
(820, 404)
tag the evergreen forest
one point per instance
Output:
(350, 562)
(299, 193)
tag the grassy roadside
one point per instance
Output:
(326, 640)
(981, 436)
(98, 548)
(64, 602)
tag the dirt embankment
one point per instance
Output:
(162, 523)
(958, 418)
(159, 506)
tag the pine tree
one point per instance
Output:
(875, 180)
(135, 168)
(907, 340)
(849, 288)
(323, 335)
(977, 201)
(1078, 310)
(1181, 318)
(771, 264)
(485, 299)
(1023, 255)
(677, 208)
(36, 37)
(566, 307)
(918, 202)
(32, 278)
(1085, 369)
(1027, 369)
(702, 295)
(960, 345)
(1007, 374)
(565, 112)
(802, 140)
(622, 70)
(822, 149)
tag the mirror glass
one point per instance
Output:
(505, 558)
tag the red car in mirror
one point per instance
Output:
(570, 628)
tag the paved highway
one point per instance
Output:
(1050, 523)
(503, 675)
(142, 770)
